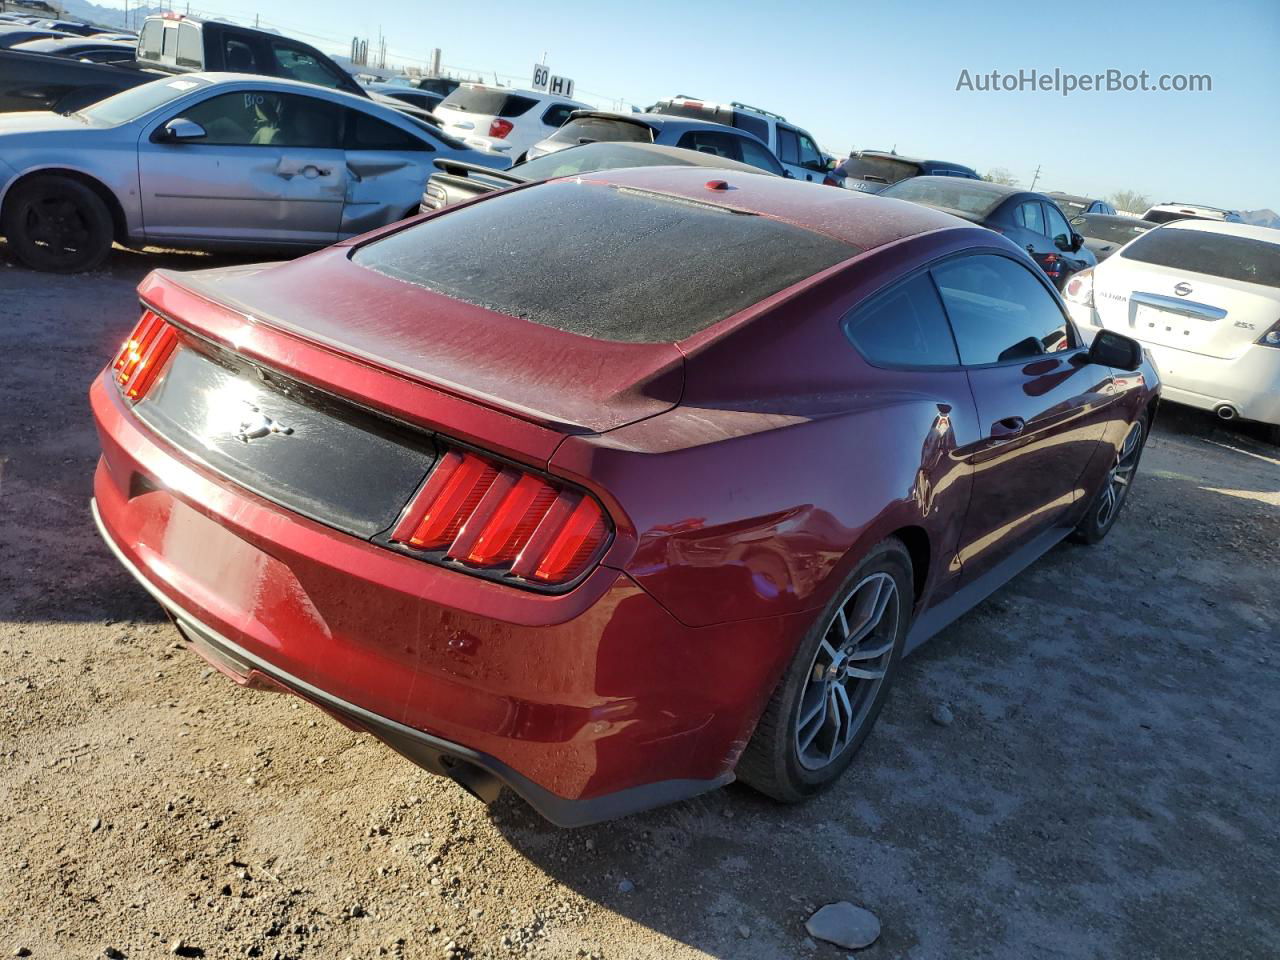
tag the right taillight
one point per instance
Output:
(143, 355)
(503, 521)
(1079, 288)
(500, 128)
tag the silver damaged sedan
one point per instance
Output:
(211, 161)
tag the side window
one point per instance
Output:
(237, 57)
(710, 141)
(190, 46)
(810, 155)
(365, 132)
(788, 145)
(260, 119)
(1000, 312)
(558, 113)
(1057, 223)
(298, 64)
(904, 327)
(150, 42)
(1029, 215)
(758, 155)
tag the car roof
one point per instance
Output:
(1249, 230)
(890, 155)
(679, 156)
(862, 220)
(520, 92)
(985, 186)
(1116, 218)
(66, 43)
(1071, 196)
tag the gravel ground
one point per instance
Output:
(1107, 785)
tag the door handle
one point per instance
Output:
(1008, 428)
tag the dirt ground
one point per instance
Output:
(1109, 787)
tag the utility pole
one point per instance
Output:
(1036, 177)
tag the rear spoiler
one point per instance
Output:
(462, 168)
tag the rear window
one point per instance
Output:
(604, 262)
(488, 102)
(190, 46)
(1110, 229)
(1070, 206)
(949, 193)
(879, 169)
(1211, 254)
(149, 43)
(602, 129)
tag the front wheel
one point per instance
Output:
(832, 692)
(57, 224)
(1105, 508)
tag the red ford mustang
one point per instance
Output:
(610, 489)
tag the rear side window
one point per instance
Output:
(298, 64)
(758, 155)
(905, 327)
(713, 142)
(488, 101)
(603, 130)
(752, 124)
(604, 262)
(190, 46)
(1213, 254)
(556, 115)
(237, 57)
(369, 133)
(788, 146)
(1000, 311)
(1029, 215)
(150, 42)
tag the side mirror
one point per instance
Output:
(180, 129)
(1077, 241)
(1062, 241)
(1111, 349)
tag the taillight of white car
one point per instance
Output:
(1272, 337)
(1079, 288)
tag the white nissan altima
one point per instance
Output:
(1204, 298)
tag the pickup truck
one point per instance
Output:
(170, 44)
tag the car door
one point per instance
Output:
(1042, 408)
(799, 154)
(262, 167)
(387, 170)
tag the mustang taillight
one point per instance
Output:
(499, 519)
(143, 355)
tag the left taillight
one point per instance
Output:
(503, 522)
(143, 355)
(499, 128)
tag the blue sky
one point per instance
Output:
(878, 75)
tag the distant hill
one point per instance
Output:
(1263, 218)
(105, 16)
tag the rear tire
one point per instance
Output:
(57, 225)
(1107, 503)
(809, 732)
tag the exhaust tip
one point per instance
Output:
(1225, 411)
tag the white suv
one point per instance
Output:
(795, 147)
(1203, 297)
(503, 119)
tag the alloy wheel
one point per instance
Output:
(848, 670)
(1121, 476)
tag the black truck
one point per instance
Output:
(171, 44)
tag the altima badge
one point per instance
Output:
(255, 424)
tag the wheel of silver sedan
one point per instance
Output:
(848, 669)
(1121, 476)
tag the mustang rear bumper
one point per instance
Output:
(478, 773)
